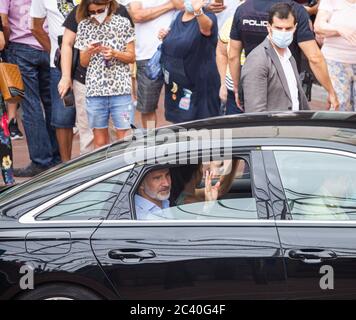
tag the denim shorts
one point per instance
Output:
(120, 108)
(62, 116)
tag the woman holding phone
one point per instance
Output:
(106, 44)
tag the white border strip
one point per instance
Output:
(31, 215)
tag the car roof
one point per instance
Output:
(326, 126)
(300, 118)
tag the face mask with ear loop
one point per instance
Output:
(282, 39)
(100, 17)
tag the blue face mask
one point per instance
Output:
(188, 5)
(282, 39)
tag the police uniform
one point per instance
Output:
(250, 25)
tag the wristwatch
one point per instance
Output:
(199, 13)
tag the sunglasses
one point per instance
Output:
(94, 12)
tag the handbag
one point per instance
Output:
(11, 85)
(153, 68)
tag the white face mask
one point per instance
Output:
(100, 17)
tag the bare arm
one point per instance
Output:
(6, 26)
(40, 34)
(85, 55)
(205, 25)
(226, 180)
(318, 65)
(312, 10)
(2, 41)
(235, 64)
(140, 14)
(127, 56)
(322, 26)
(222, 61)
(66, 61)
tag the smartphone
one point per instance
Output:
(96, 44)
(68, 99)
(220, 2)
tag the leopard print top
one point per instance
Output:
(106, 78)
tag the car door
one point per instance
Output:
(54, 237)
(316, 219)
(231, 256)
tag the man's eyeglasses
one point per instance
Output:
(94, 12)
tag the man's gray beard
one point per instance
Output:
(156, 196)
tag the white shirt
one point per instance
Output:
(55, 11)
(231, 6)
(147, 210)
(291, 79)
(147, 32)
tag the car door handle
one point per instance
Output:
(131, 255)
(312, 255)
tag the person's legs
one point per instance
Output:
(45, 93)
(65, 139)
(15, 132)
(341, 80)
(353, 95)
(86, 137)
(6, 163)
(122, 114)
(63, 118)
(133, 70)
(98, 117)
(121, 134)
(38, 141)
(101, 137)
(148, 93)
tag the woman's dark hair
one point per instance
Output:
(82, 11)
(281, 10)
(180, 176)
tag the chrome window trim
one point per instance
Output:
(313, 222)
(222, 222)
(178, 223)
(309, 149)
(30, 217)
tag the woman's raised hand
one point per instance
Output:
(198, 4)
(211, 192)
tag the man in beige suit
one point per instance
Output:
(269, 77)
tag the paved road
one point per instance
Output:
(20, 151)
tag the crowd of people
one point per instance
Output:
(84, 65)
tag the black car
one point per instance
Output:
(286, 228)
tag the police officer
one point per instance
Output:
(249, 29)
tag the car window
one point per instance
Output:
(58, 173)
(318, 186)
(235, 199)
(92, 203)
